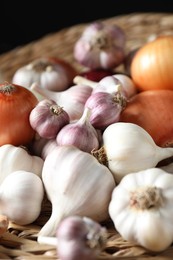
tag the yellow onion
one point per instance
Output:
(152, 65)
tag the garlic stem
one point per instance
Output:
(43, 92)
(82, 80)
(50, 226)
(85, 116)
(163, 152)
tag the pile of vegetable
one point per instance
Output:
(96, 143)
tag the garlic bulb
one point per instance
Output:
(100, 46)
(141, 208)
(105, 108)
(49, 72)
(80, 133)
(21, 196)
(127, 148)
(76, 184)
(14, 158)
(80, 238)
(72, 100)
(110, 84)
(47, 118)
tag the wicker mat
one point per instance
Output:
(20, 241)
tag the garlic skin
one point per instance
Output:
(21, 196)
(105, 108)
(127, 148)
(74, 182)
(72, 100)
(80, 238)
(100, 46)
(80, 133)
(14, 158)
(141, 208)
(50, 73)
(47, 118)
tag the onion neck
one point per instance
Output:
(7, 88)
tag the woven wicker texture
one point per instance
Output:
(20, 241)
(138, 27)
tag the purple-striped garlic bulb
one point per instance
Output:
(100, 45)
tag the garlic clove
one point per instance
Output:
(80, 133)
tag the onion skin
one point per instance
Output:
(152, 65)
(16, 103)
(152, 110)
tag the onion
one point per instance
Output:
(152, 65)
(16, 103)
(152, 110)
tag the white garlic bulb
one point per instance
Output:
(76, 184)
(127, 148)
(15, 158)
(21, 196)
(141, 208)
(49, 72)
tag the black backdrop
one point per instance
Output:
(26, 21)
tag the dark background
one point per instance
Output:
(26, 21)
